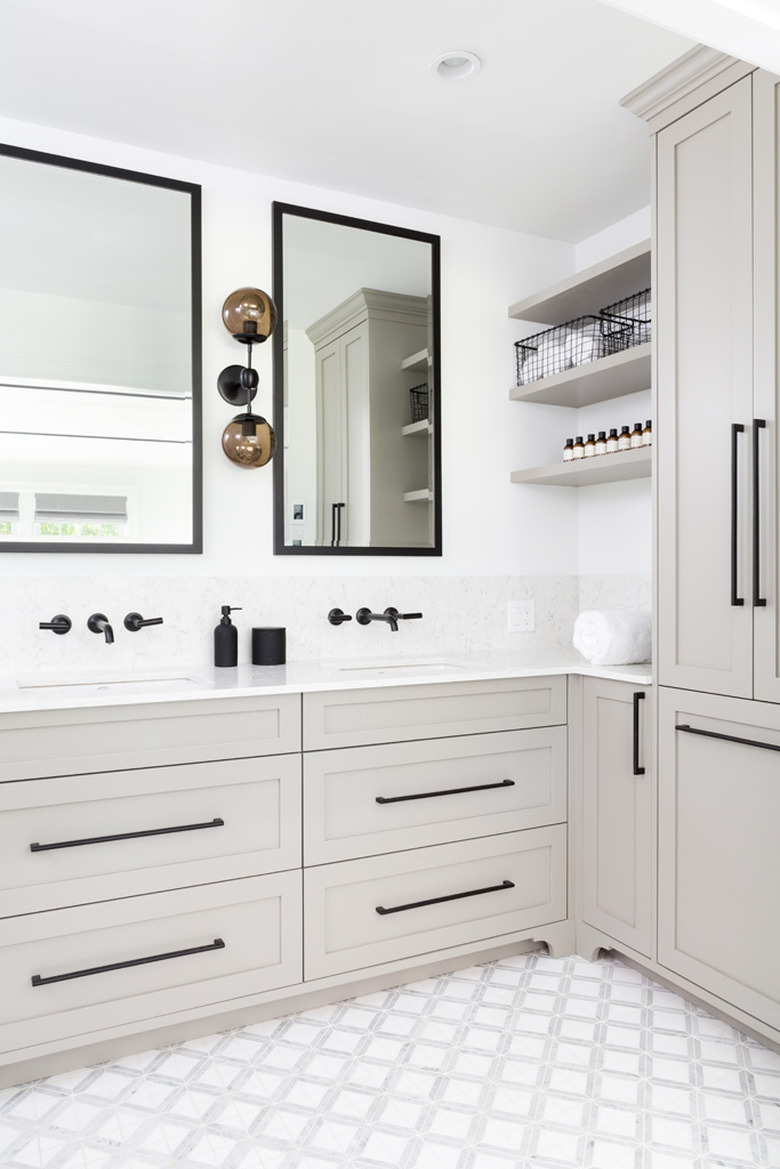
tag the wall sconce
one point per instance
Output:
(249, 315)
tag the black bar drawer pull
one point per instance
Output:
(638, 696)
(758, 600)
(37, 980)
(728, 738)
(217, 822)
(452, 791)
(736, 429)
(450, 897)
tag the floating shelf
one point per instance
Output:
(589, 290)
(423, 496)
(416, 361)
(421, 427)
(587, 472)
(597, 381)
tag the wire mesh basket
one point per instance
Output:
(638, 310)
(571, 344)
(418, 396)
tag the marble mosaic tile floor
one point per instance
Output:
(527, 1062)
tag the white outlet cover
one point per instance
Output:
(521, 617)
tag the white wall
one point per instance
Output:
(490, 526)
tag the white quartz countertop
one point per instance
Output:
(123, 687)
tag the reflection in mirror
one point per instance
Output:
(99, 358)
(356, 387)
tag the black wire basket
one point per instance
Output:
(572, 344)
(418, 396)
(638, 310)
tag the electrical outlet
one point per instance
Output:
(520, 617)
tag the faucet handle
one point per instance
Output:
(134, 621)
(58, 624)
(338, 617)
(391, 612)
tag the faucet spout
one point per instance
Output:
(99, 623)
(365, 617)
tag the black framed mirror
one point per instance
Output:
(100, 358)
(357, 395)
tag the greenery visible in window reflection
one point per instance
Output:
(83, 531)
(5, 528)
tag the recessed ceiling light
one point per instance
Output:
(455, 65)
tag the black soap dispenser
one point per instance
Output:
(226, 639)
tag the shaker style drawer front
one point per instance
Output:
(99, 967)
(91, 837)
(353, 718)
(365, 800)
(113, 738)
(363, 913)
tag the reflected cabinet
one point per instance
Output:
(356, 387)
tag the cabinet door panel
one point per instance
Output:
(618, 829)
(704, 298)
(767, 377)
(719, 868)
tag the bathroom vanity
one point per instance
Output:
(180, 862)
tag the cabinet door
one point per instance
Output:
(618, 821)
(766, 104)
(704, 380)
(719, 867)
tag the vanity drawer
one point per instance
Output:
(344, 930)
(91, 837)
(207, 946)
(353, 718)
(365, 800)
(112, 738)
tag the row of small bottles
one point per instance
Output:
(608, 444)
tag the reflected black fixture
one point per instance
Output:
(391, 616)
(249, 315)
(338, 617)
(99, 623)
(134, 621)
(58, 624)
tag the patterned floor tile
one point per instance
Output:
(528, 1063)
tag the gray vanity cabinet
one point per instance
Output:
(617, 813)
(719, 876)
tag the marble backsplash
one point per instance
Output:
(461, 615)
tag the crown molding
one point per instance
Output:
(696, 67)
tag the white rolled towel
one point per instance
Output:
(613, 637)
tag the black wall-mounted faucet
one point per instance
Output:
(391, 616)
(134, 621)
(98, 623)
(58, 624)
(338, 617)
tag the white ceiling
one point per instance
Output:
(338, 93)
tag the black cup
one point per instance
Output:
(269, 646)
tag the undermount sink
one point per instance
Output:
(97, 687)
(398, 667)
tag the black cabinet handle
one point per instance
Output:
(335, 524)
(638, 696)
(759, 601)
(736, 429)
(37, 980)
(728, 738)
(450, 897)
(453, 791)
(215, 823)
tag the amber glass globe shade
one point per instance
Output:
(249, 312)
(249, 441)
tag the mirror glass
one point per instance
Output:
(356, 387)
(99, 358)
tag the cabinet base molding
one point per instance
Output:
(590, 942)
(85, 1050)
